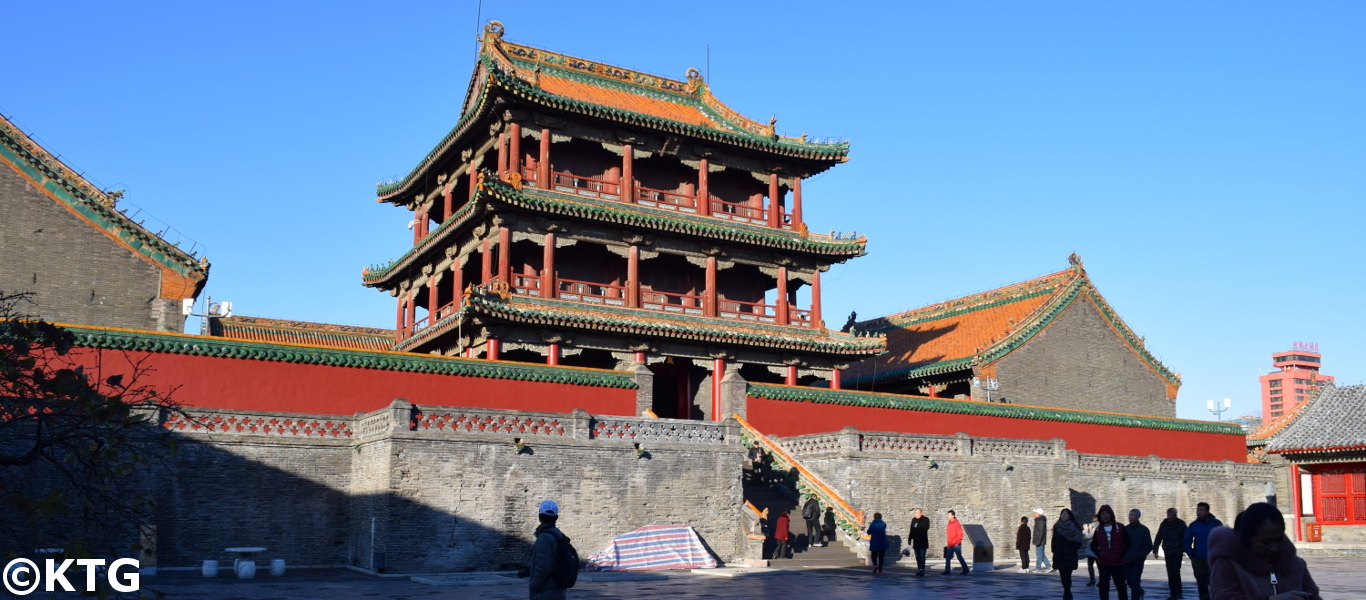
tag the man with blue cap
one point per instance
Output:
(541, 567)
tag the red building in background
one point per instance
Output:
(1296, 379)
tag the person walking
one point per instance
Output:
(1110, 546)
(1089, 530)
(1022, 543)
(920, 540)
(1140, 544)
(877, 542)
(829, 528)
(541, 566)
(781, 534)
(1040, 534)
(1067, 544)
(1171, 534)
(1255, 560)
(953, 540)
(1196, 545)
(811, 513)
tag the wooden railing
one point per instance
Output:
(666, 200)
(748, 311)
(591, 292)
(527, 285)
(846, 517)
(688, 304)
(737, 212)
(586, 186)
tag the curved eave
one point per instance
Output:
(566, 205)
(197, 345)
(990, 409)
(530, 311)
(1055, 307)
(913, 372)
(48, 174)
(381, 276)
(494, 73)
(1319, 449)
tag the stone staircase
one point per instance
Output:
(801, 554)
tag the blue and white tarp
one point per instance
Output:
(654, 547)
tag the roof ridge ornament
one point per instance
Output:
(695, 81)
(1074, 259)
(493, 31)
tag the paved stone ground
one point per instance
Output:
(1339, 578)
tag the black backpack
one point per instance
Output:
(566, 571)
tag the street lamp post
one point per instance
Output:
(1214, 408)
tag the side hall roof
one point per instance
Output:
(258, 329)
(979, 329)
(183, 275)
(595, 89)
(1331, 421)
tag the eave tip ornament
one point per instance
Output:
(1074, 259)
(493, 31)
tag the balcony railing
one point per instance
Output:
(526, 285)
(666, 200)
(748, 311)
(738, 212)
(570, 183)
(686, 304)
(591, 292)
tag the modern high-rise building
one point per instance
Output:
(1296, 379)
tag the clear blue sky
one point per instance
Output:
(1206, 159)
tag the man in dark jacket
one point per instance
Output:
(1170, 535)
(811, 513)
(1022, 543)
(1140, 544)
(542, 564)
(920, 540)
(1040, 537)
(1196, 545)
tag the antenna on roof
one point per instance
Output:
(478, 26)
(708, 77)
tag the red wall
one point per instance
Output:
(244, 384)
(788, 417)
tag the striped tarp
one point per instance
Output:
(654, 547)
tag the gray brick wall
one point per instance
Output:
(76, 273)
(974, 481)
(1045, 371)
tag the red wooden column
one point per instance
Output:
(457, 283)
(552, 354)
(446, 205)
(628, 176)
(718, 371)
(704, 189)
(834, 379)
(515, 150)
(505, 255)
(502, 153)
(816, 322)
(640, 358)
(784, 315)
(474, 181)
(398, 321)
(432, 296)
(485, 263)
(418, 219)
(796, 203)
(548, 267)
(543, 176)
(709, 294)
(494, 346)
(633, 276)
(775, 204)
(791, 378)
(410, 315)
